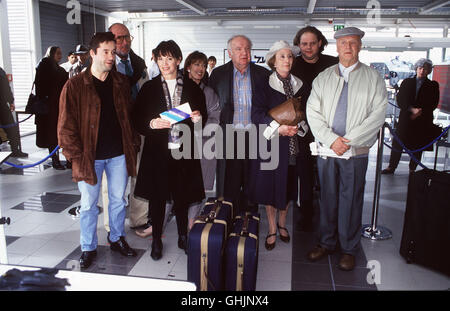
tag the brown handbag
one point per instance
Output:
(288, 113)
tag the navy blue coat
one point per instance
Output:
(269, 187)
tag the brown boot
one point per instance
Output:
(317, 253)
(347, 262)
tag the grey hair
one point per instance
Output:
(51, 51)
(421, 62)
(238, 36)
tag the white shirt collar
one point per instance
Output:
(277, 85)
(293, 81)
(118, 59)
(345, 71)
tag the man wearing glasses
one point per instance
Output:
(127, 62)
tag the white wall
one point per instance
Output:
(211, 38)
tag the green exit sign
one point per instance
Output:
(337, 27)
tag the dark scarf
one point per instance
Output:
(289, 92)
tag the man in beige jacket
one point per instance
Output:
(345, 110)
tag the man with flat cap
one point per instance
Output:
(82, 54)
(345, 111)
(417, 98)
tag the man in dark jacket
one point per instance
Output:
(234, 84)
(134, 67)
(310, 62)
(127, 62)
(95, 134)
(6, 118)
(307, 66)
(417, 98)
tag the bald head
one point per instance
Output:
(117, 26)
(123, 39)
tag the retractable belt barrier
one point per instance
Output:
(34, 164)
(392, 104)
(372, 231)
(15, 124)
(411, 152)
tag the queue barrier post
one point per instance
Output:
(373, 231)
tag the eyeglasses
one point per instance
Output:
(129, 38)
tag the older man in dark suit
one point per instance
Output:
(234, 84)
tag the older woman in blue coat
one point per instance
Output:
(274, 188)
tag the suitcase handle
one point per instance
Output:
(207, 218)
(244, 231)
(211, 216)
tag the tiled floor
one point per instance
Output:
(43, 234)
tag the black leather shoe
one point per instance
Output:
(123, 248)
(157, 248)
(182, 243)
(284, 238)
(87, 258)
(19, 154)
(271, 246)
(388, 171)
(58, 166)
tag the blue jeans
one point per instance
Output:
(117, 175)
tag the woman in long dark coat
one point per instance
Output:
(195, 68)
(417, 98)
(161, 177)
(273, 188)
(50, 79)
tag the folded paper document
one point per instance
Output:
(177, 114)
(318, 149)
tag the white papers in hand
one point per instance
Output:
(177, 114)
(317, 149)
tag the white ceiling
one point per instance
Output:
(421, 13)
(221, 8)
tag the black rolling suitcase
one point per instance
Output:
(241, 254)
(426, 228)
(206, 246)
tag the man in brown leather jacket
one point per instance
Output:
(95, 134)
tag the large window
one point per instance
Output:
(22, 51)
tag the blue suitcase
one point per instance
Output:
(241, 254)
(206, 245)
